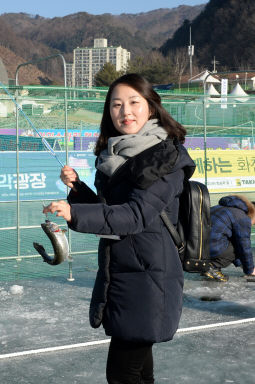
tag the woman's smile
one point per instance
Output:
(128, 122)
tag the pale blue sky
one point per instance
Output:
(52, 8)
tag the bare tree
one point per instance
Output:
(180, 61)
(241, 64)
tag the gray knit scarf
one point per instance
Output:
(121, 148)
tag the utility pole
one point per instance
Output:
(190, 52)
(214, 62)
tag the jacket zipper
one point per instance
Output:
(201, 224)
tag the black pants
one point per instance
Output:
(225, 259)
(129, 363)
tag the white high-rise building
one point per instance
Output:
(88, 61)
(69, 74)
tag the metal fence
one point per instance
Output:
(220, 133)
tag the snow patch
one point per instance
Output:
(16, 289)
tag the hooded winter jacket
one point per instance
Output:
(138, 289)
(230, 223)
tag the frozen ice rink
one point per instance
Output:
(40, 314)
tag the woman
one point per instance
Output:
(141, 165)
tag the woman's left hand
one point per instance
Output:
(62, 208)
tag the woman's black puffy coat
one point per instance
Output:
(138, 290)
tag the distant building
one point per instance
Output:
(251, 82)
(3, 73)
(69, 75)
(3, 110)
(88, 61)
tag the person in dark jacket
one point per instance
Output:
(230, 239)
(141, 164)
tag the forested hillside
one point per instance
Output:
(224, 29)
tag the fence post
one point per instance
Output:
(17, 175)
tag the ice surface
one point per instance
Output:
(48, 312)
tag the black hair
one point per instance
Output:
(144, 88)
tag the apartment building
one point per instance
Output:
(69, 74)
(88, 61)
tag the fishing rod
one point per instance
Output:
(52, 230)
(44, 141)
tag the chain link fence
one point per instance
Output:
(220, 139)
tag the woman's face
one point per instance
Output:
(129, 110)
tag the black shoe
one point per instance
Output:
(215, 274)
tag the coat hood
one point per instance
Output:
(234, 202)
(184, 162)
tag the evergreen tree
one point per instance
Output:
(106, 75)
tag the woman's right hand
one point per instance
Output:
(69, 176)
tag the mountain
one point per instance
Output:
(28, 75)
(16, 49)
(224, 29)
(32, 37)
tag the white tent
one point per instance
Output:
(200, 78)
(238, 91)
(211, 91)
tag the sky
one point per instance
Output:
(51, 8)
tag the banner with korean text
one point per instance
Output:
(39, 174)
(227, 170)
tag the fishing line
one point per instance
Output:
(44, 141)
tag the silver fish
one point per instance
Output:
(59, 242)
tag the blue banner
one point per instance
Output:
(39, 174)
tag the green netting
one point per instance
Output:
(9, 143)
(21, 268)
(67, 114)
